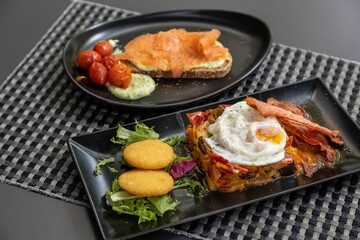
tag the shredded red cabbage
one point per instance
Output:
(180, 168)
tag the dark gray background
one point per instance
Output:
(326, 26)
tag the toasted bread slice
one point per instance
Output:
(194, 73)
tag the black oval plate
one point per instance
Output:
(248, 39)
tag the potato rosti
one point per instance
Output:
(149, 154)
(146, 183)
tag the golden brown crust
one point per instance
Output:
(195, 73)
(146, 183)
(149, 154)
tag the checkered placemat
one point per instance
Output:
(41, 109)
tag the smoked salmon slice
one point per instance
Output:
(175, 50)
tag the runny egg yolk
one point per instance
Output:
(301, 155)
(269, 135)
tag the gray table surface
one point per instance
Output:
(325, 26)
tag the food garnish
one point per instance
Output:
(104, 48)
(110, 61)
(179, 169)
(145, 208)
(120, 75)
(98, 73)
(189, 181)
(141, 132)
(86, 58)
(102, 66)
(101, 163)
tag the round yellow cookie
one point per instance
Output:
(149, 154)
(146, 183)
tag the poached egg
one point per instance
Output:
(242, 136)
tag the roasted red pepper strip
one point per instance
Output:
(197, 117)
(233, 167)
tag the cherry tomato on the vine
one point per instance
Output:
(110, 61)
(104, 48)
(120, 75)
(86, 58)
(98, 73)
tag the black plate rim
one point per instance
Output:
(72, 140)
(268, 33)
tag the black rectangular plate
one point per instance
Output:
(312, 94)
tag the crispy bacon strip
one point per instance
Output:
(312, 137)
(268, 110)
(287, 106)
(293, 120)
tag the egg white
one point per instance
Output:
(233, 136)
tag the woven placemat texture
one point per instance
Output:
(41, 109)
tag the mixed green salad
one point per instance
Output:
(181, 169)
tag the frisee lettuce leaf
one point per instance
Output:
(140, 207)
(178, 158)
(115, 186)
(141, 132)
(112, 169)
(174, 140)
(122, 195)
(146, 208)
(187, 181)
(102, 162)
(163, 203)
